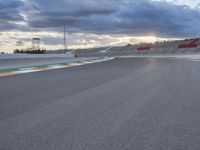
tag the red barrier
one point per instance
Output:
(148, 47)
(192, 44)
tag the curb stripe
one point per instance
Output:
(23, 70)
(7, 74)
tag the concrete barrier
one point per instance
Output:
(10, 56)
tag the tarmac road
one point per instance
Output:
(122, 104)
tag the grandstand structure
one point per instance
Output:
(147, 47)
(191, 44)
(166, 47)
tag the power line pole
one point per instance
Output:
(64, 40)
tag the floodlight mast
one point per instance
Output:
(35, 43)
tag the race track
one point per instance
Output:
(121, 104)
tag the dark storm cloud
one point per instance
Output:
(122, 16)
(68, 12)
(136, 17)
(9, 10)
(159, 17)
(9, 13)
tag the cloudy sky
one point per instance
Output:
(93, 23)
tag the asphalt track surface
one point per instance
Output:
(122, 104)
